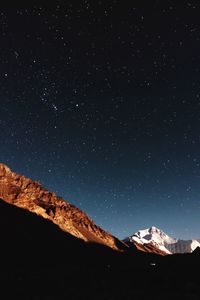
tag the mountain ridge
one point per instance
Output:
(41, 261)
(23, 192)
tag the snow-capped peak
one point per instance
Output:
(162, 241)
(154, 236)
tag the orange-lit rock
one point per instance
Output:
(30, 195)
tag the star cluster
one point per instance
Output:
(100, 101)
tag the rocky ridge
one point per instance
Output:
(23, 192)
(148, 248)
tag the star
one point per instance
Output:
(55, 108)
(16, 54)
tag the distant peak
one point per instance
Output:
(154, 229)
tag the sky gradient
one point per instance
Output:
(100, 102)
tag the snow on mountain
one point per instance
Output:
(164, 242)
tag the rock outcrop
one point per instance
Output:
(30, 195)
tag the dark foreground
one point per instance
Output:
(39, 261)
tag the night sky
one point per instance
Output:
(100, 102)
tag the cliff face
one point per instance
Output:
(30, 195)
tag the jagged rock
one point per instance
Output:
(30, 195)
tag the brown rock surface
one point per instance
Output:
(149, 248)
(30, 195)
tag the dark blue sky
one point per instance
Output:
(100, 101)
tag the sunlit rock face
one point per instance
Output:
(30, 195)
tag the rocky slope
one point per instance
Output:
(30, 195)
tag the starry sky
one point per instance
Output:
(100, 102)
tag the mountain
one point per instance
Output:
(28, 240)
(30, 195)
(145, 247)
(155, 237)
(41, 260)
